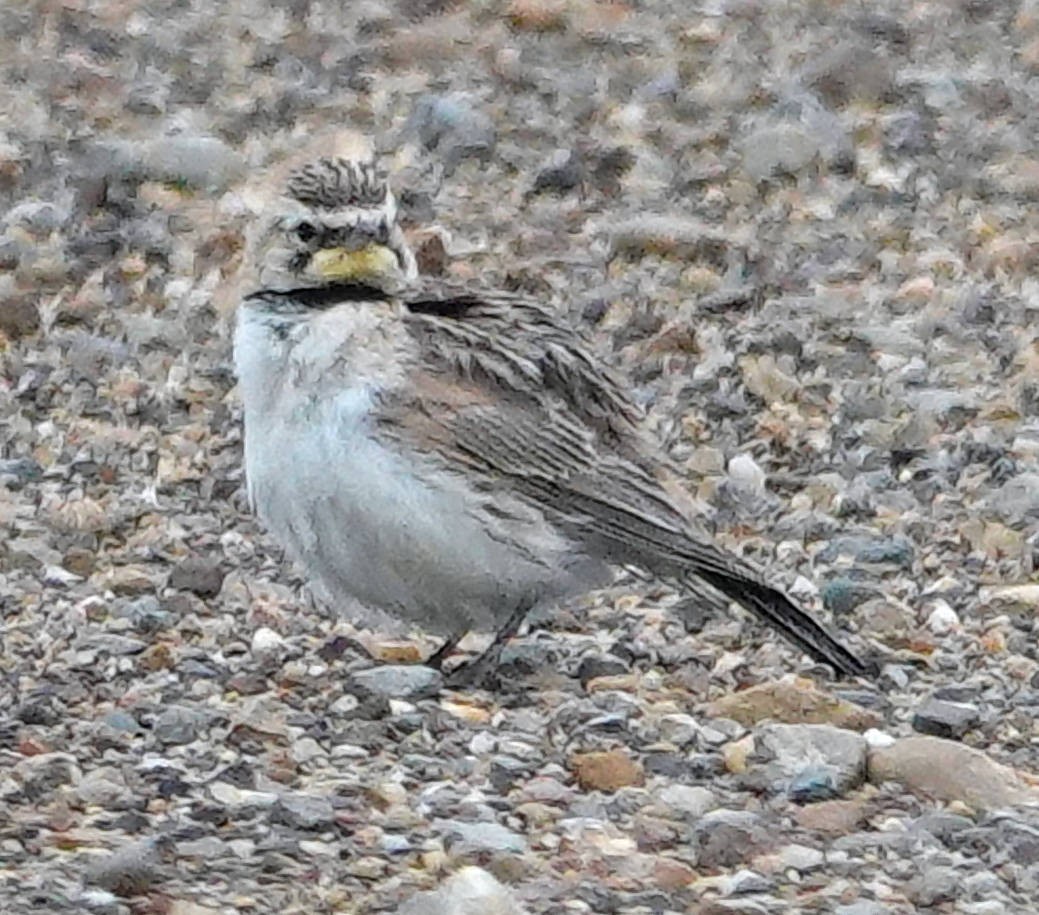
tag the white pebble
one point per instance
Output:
(745, 473)
(876, 739)
(942, 619)
(266, 642)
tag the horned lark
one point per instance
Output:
(453, 456)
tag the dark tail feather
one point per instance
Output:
(780, 612)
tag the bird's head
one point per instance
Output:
(334, 222)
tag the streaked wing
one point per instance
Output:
(505, 413)
(515, 344)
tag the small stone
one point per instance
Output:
(814, 783)
(950, 771)
(470, 891)
(453, 127)
(560, 177)
(430, 253)
(835, 818)
(591, 668)
(792, 701)
(941, 718)
(129, 581)
(134, 869)
(869, 549)
(744, 882)
(689, 801)
(464, 838)
(399, 681)
(726, 838)
(19, 317)
(942, 619)
(266, 642)
(178, 724)
(303, 811)
(788, 749)
(197, 161)
(671, 875)
(844, 594)
(198, 575)
(16, 472)
(607, 770)
(801, 858)
(934, 886)
(745, 473)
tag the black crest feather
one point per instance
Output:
(329, 184)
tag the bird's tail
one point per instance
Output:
(783, 615)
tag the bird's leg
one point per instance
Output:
(437, 658)
(482, 672)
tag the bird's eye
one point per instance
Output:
(305, 232)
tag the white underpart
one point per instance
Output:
(395, 531)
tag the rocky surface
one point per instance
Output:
(808, 232)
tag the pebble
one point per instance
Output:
(469, 891)
(787, 750)
(792, 701)
(727, 838)
(134, 869)
(745, 473)
(399, 681)
(689, 801)
(453, 126)
(949, 771)
(608, 770)
(945, 719)
(303, 811)
(198, 575)
(179, 724)
(464, 838)
(266, 642)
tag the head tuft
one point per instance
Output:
(335, 183)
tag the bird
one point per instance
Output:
(454, 455)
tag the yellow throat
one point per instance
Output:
(372, 262)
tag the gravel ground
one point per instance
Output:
(808, 229)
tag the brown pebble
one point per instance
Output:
(607, 770)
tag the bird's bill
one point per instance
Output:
(363, 264)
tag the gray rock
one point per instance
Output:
(198, 161)
(399, 680)
(179, 724)
(746, 882)
(133, 869)
(16, 472)
(935, 885)
(453, 127)
(104, 787)
(145, 613)
(198, 575)
(797, 134)
(787, 750)
(111, 644)
(940, 718)
(304, 811)
(815, 783)
(726, 838)
(844, 594)
(39, 217)
(465, 837)
(870, 548)
(689, 801)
